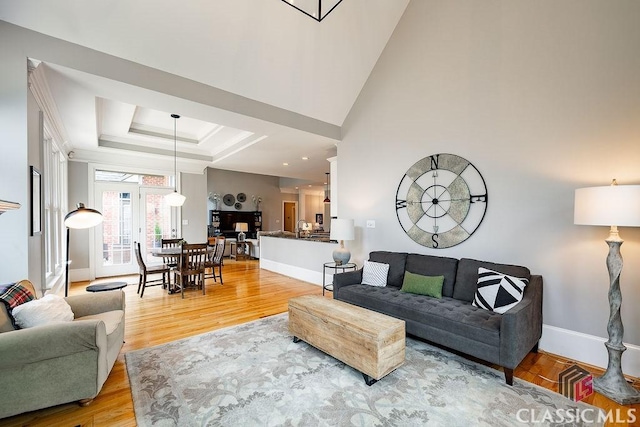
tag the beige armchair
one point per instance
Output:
(61, 362)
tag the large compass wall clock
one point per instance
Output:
(441, 201)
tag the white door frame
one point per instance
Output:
(295, 223)
(134, 190)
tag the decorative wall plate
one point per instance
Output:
(241, 197)
(238, 205)
(229, 199)
(441, 201)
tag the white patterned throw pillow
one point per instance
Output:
(375, 273)
(50, 308)
(498, 292)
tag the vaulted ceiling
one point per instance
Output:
(262, 50)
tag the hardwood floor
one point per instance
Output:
(248, 294)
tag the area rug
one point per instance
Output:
(255, 375)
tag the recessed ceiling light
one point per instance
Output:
(285, 164)
(305, 158)
(309, 185)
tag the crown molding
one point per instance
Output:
(39, 87)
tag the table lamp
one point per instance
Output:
(80, 218)
(341, 229)
(241, 227)
(612, 206)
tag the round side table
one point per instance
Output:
(107, 286)
(332, 266)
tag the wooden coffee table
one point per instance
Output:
(368, 341)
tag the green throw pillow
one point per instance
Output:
(422, 285)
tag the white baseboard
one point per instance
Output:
(79, 274)
(588, 349)
(313, 277)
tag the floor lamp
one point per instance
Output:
(80, 218)
(613, 206)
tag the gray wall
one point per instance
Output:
(222, 182)
(543, 98)
(37, 268)
(194, 210)
(14, 162)
(78, 176)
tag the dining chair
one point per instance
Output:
(191, 266)
(144, 271)
(171, 261)
(215, 259)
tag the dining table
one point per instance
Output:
(174, 251)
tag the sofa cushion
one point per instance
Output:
(498, 292)
(447, 314)
(375, 273)
(429, 265)
(50, 308)
(422, 285)
(12, 295)
(111, 319)
(467, 276)
(396, 261)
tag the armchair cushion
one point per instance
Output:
(111, 319)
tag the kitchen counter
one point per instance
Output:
(312, 237)
(300, 258)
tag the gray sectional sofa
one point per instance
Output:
(452, 321)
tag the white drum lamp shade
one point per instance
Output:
(341, 230)
(608, 205)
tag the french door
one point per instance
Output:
(158, 221)
(131, 213)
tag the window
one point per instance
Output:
(144, 180)
(55, 196)
(125, 219)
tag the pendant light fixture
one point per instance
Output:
(317, 10)
(326, 191)
(175, 198)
